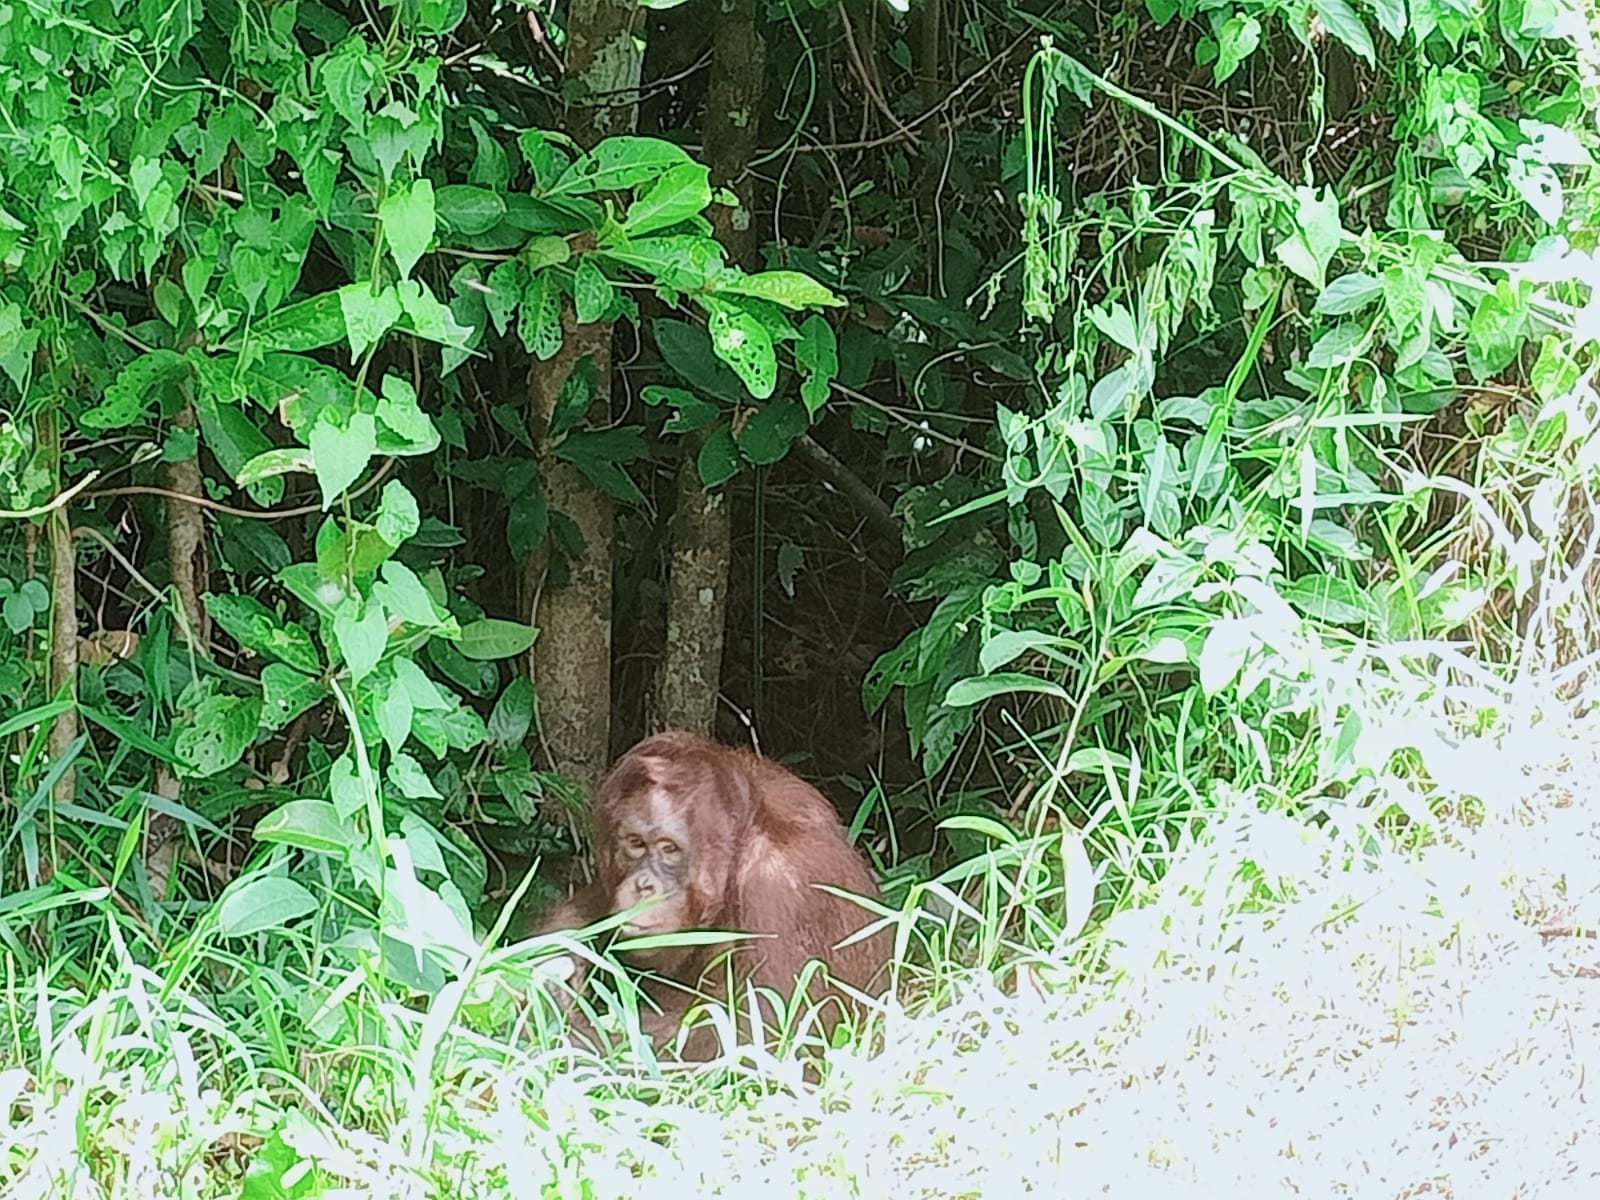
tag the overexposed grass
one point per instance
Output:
(1300, 1012)
(1306, 1009)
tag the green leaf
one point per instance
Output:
(687, 349)
(308, 824)
(405, 597)
(575, 397)
(18, 343)
(347, 78)
(1496, 332)
(397, 518)
(817, 355)
(592, 293)
(368, 315)
(286, 693)
(1348, 293)
(126, 397)
(339, 455)
(492, 638)
(718, 460)
(470, 210)
(403, 427)
(680, 193)
(742, 342)
(309, 325)
(395, 713)
(18, 613)
(361, 639)
(1237, 39)
(260, 903)
(408, 777)
(409, 221)
(1342, 22)
(1007, 645)
(1316, 237)
(618, 163)
(274, 463)
(598, 453)
(539, 321)
(220, 731)
(1340, 345)
(545, 251)
(258, 629)
(790, 289)
(512, 716)
(771, 430)
(976, 690)
(1327, 598)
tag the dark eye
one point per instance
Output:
(667, 849)
(633, 844)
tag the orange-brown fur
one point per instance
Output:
(758, 838)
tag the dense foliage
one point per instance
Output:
(1103, 372)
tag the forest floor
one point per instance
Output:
(1298, 1012)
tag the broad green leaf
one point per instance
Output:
(409, 221)
(688, 351)
(512, 716)
(125, 399)
(1316, 237)
(274, 463)
(368, 315)
(545, 251)
(405, 597)
(1341, 21)
(408, 777)
(680, 193)
(976, 690)
(592, 293)
(718, 460)
(539, 321)
(1340, 345)
(1006, 645)
(217, 735)
(1327, 598)
(403, 427)
(429, 317)
(308, 325)
(743, 343)
(397, 518)
(1116, 323)
(395, 713)
(286, 693)
(817, 355)
(347, 77)
(1497, 331)
(260, 903)
(790, 289)
(491, 638)
(308, 824)
(1349, 293)
(469, 210)
(361, 638)
(258, 629)
(339, 455)
(771, 430)
(618, 163)
(1237, 39)
(599, 453)
(691, 412)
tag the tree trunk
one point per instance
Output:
(63, 621)
(572, 655)
(571, 660)
(691, 663)
(187, 570)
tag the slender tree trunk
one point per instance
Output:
(691, 663)
(187, 569)
(63, 621)
(571, 660)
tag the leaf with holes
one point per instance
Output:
(218, 734)
(125, 399)
(742, 342)
(539, 321)
(790, 289)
